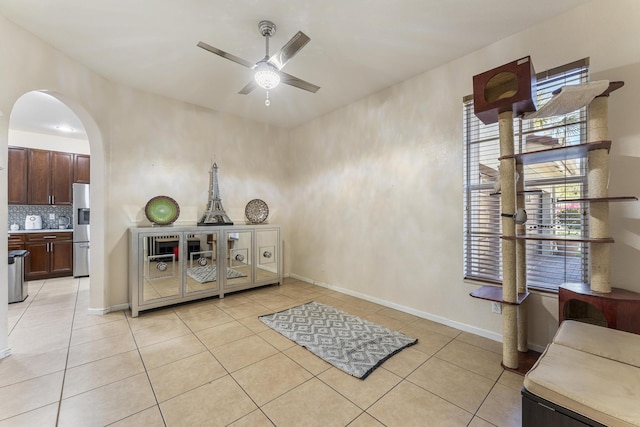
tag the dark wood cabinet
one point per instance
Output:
(17, 175)
(49, 177)
(61, 178)
(16, 242)
(81, 168)
(37, 263)
(38, 177)
(50, 255)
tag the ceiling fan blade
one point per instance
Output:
(299, 83)
(288, 51)
(248, 88)
(226, 55)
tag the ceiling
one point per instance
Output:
(357, 47)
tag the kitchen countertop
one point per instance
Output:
(44, 230)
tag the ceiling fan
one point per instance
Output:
(268, 71)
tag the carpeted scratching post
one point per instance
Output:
(599, 187)
(521, 264)
(499, 95)
(509, 276)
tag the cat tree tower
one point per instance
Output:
(499, 95)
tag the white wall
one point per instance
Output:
(378, 184)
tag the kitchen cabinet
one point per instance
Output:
(16, 242)
(41, 177)
(50, 178)
(50, 255)
(17, 175)
(188, 263)
(81, 168)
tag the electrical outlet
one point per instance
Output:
(496, 307)
(52, 216)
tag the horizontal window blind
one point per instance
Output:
(547, 185)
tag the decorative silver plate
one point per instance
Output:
(256, 211)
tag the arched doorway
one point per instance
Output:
(76, 117)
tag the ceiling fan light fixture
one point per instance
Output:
(266, 76)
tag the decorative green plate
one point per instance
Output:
(162, 210)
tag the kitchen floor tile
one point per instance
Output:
(410, 405)
(107, 404)
(218, 403)
(114, 369)
(311, 404)
(361, 392)
(170, 350)
(271, 377)
(186, 374)
(101, 372)
(458, 386)
(243, 352)
(28, 395)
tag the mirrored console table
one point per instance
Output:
(170, 265)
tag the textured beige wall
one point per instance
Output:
(141, 146)
(370, 196)
(165, 147)
(379, 182)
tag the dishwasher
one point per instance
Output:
(17, 285)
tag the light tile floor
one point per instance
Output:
(213, 363)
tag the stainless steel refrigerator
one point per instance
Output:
(81, 240)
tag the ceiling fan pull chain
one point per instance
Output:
(267, 102)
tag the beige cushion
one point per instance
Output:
(609, 343)
(598, 388)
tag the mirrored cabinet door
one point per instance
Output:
(161, 272)
(201, 262)
(268, 255)
(239, 253)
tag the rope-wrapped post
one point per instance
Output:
(598, 178)
(521, 264)
(508, 205)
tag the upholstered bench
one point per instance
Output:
(588, 375)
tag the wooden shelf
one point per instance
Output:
(615, 294)
(558, 153)
(494, 293)
(556, 238)
(613, 86)
(599, 199)
(519, 193)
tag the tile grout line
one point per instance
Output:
(146, 371)
(66, 360)
(25, 309)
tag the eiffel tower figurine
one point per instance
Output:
(214, 215)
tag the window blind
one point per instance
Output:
(546, 185)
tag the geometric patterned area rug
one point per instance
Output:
(349, 343)
(207, 273)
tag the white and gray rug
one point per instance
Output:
(349, 343)
(208, 273)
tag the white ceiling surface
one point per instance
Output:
(40, 112)
(357, 47)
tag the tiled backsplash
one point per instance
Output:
(18, 213)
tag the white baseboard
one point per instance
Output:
(5, 352)
(102, 311)
(438, 319)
